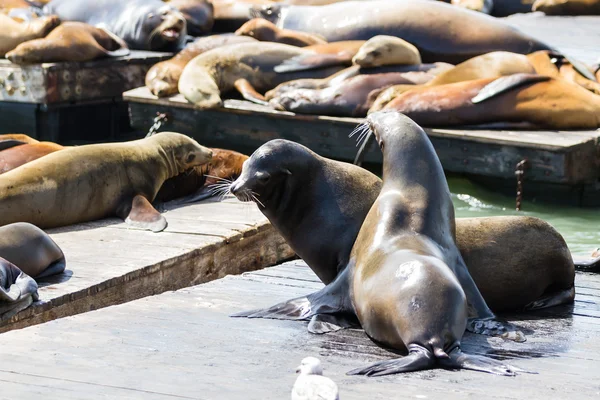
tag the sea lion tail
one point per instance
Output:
(459, 360)
(418, 358)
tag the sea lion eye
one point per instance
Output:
(190, 158)
(263, 178)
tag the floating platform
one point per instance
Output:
(183, 345)
(110, 263)
(71, 102)
(561, 166)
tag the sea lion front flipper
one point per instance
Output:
(325, 323)
(249, 93)
(305, 62)
(553, 299)
(140, 213)
(9, 143)
(506, 83)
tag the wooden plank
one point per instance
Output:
(110, 263)
(190, 347)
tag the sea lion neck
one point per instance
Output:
(166, 157)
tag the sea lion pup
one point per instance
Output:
(142, 24)
(567, 7)
(17, 290)
(31, 249)
(540, 101)
(265, 31)
(162, 78)
(204, 181)
(71, 41)
(247, 67)
(198, 14)
(25, 153)
(62, 188)
(13, 33)
(405, 267)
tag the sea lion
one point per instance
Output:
(198, 14)
(407, 276)
(31, 250)
(322, 55)
(109, 179)
(71, 41)
(567, 7)
(539, 101)
(20, 155)
(162, 78)
(13, 33)
(290, 179)
(17, 290)
(386, 50)
(265, 31)
(203, 181)
(247, 67)
(142, 24)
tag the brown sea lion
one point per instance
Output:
(409, 283)
(31, 250)
(20, 155)
(197, 183)
(386, 50)
(71, 41)
(163, 77)
(265, 31)
(91, 182)
(199, 15)
(17, 290)
(567, 7)
(541, 102)
(13, 33)
(282, 174)
(247, 67)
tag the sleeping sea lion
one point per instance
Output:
(13, 33)
(265, 31)
(142, 24)
(71, 41)
(91, 182)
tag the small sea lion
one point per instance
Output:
(567, 7)
(265, 31)
(71, 41)
(247, 67)
(541, 102)
(162, 78)
(386, 50)
(20, 155)
(31, 250)
(142, 24)
(17, 290)
(199, 15)
(92, 182)
(13, 33)
(408, 280)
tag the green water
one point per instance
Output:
(579, 226)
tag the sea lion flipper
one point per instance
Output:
(55, 268)
(459, 360)
(9, 143)
(553, 299)
(417, 359)
(495, 327)
(325, 323)
(310, 61)
(506, 83)
(143, 215)
(123, 49)
(249, 93)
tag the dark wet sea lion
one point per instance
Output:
(199, 15)
(407, 277)
(17, 290)
(265, 31)
(20, 155)
(71, 41)
(567, 7)
(91, 182)
(13, 33)
(540, 101)
(142, 24)
(289, 179)
(162, 78)
(31, 250)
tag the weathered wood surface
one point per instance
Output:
(73, 81)
(555, 157)
(110, 263)
(184, 345)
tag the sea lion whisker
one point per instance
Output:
(257, 200)
(219, 178)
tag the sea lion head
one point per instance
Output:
(259, 29)
(181, 151)
(165, 28)
(225, 164)
(386, 126)
(270, 12)
(386, 50)
(199, 15)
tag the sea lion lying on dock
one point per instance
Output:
(13, 33)
(17, 290)
(71, 41)
(92, 182)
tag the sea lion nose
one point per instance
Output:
(234, 188)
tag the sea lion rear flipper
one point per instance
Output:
(506, 83)
(417, 359)
(459, 360)
(553, 299)
(305, 62)
(249, 93)
(55, 268)
(142, 214)
(9, 143)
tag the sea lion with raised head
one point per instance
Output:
(162, 78)
(20, 155)
(71, 41)
(142, 24)
(31, 249)
(408, 280)
(92, 182)
(265, 31)
(13, 33)
(198, 14)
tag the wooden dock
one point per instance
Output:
(110, 263)
(183, 345)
